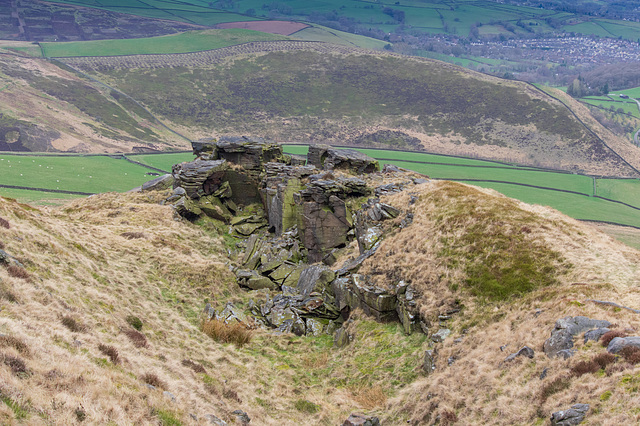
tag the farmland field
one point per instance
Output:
(456, 16)
(192, 41)
(162, 161)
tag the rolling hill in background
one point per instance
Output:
(315, 92)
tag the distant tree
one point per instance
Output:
(605, 89)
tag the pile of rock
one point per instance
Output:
(311, 212)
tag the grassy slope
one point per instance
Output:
(459, 239)
(343, 97)
(192, 41)
(81, 267)
(329, 35)
(56, 110)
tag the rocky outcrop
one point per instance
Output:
(327, 158)
(561, 340)
(359, 419)
(573, 416)
(354, 292)
(159, 183)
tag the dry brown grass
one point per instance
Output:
(553, 387)
(370, 397)
(138, 339)
(235, 333)
(16, 343)
(198, 368)
(133, 235)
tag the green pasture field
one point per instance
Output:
(625, 190)
(162, 161)
(329, 35)
(91, 174)
(37, 197)
(627, 107)
(191, 41)
(573, 205)
(633, 92)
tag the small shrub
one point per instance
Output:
(138, 339)
(631, 354)
(306, 406)
(81, 415)
(610, 335)
(111, 352)
(153, 380)
(194, 366)
(134, 322)
(553, 387)
(236, 333)
(16, 364)
(4, 223)
(73, 325)
(18, 272)
(605, 396)
(132, 235)
(584, 367)
(16, 343)
(604, 359)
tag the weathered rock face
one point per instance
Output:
(326, 215)
(159, 183)
(279, 186)
(327, 158)
(200, 177)
(359, 419)
(354, 292)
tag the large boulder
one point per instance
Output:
(315, 278)
(619, 343)
(355, 292)
(159, 183)
(200, 177)
(565, 330)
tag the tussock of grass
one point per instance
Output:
(553, 387)
(16, 343)
(370, 397)
(306, 406)
(111, 352)
(4, 223)
(198, 368)
(631, 354)
(236, 333)
(16, 364)
(584, 367)
(138, 339)
(132, 235)
(604, 359)
(18, 272)
(153, 380)
(73, 324)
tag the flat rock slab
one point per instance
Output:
(359, 419)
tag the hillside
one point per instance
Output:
(297, 91)
(97, 268)
(47, 108)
